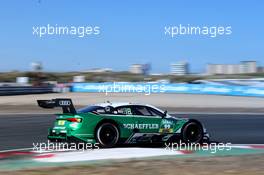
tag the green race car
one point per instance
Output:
(109, 124)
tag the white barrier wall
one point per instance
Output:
(149, 88)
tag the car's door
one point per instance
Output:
(124, 116)
(146, 121)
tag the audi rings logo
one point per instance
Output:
(64, 103)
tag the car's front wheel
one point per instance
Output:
(107, 135)
(192, 132)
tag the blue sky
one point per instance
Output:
(130, 32)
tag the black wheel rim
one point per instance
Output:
(108, 135)
(193, 133)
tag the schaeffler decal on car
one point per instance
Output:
(141, 126)
(109, 124)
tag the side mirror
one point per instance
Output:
(164, 114)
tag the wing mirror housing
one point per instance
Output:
(164, 114)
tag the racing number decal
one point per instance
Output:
(167, 126)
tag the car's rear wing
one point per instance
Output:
(65, 103)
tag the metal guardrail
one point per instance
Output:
(20, 90)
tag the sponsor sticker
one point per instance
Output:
(141, 126)
(61, 122)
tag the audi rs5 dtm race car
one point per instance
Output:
(109, 124)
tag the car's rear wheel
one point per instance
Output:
(192, 132)
(107, 135)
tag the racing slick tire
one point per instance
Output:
(107, 135)
(192, 132)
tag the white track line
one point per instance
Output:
(19, 149)
(106, 154)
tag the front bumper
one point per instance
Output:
(206, 137)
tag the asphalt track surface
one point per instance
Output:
(21, 131)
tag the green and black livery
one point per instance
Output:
(110, 124)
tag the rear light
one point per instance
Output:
(74, 120)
